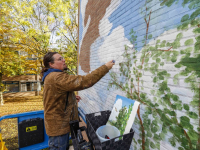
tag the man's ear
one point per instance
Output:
(51, 64)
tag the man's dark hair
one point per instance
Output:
(48, 57)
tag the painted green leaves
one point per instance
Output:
(185, 18)
(164, 102)
(122, 118)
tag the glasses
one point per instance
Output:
(60, 59)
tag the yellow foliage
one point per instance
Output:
(31, 32)
(51, 19)
(2, 143)
(68, 21)
(35, 22)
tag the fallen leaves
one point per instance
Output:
(14, 105)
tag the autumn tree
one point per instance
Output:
(49, 25)
(69, 37)
(11, 62)
(46, 25)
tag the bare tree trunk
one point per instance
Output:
(1, 97)
(36, 78)
(1, 90)
(37, 87)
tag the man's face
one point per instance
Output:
(59, 62)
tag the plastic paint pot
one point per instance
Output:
(110, 131)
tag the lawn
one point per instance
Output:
(20, 104)
(13, 105)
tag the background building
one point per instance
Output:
(22, 83)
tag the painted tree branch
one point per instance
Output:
(188, 138)
(147, 29)
(143, 132)
(156, 110)
(140, 72)
(165, 50)
(198, 146)
(141, 123)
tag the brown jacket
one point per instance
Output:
(57, 85)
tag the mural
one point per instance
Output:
(93, 32)
(158, 42)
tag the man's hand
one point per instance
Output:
(78, 98)
(110, 64)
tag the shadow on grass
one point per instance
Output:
(12, 143)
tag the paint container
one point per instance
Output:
(107, 130)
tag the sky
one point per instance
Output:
(125, 101)
(119, 103)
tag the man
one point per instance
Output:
(60, 106)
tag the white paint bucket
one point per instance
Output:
(110, 131)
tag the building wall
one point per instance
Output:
(155, 44)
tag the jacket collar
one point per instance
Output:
(49, 71)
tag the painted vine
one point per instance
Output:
(160, 115)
